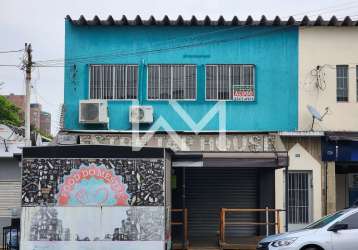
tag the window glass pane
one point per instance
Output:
(225, 81)
(171, 81)
(342, 83)
(132, 82)
(93, 80)
(153, 82)
(165, 82)
(108, 82)
(247, 75)
(325, 220)
(190, 80)
(178, 82)
(235, 75)
(352, 221)
(211, 82)
(120, 82)
(113, 81)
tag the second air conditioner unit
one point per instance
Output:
(141, 114)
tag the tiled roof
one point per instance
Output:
(207, 21)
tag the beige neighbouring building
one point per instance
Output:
(331, 87)
(325, 150)
(327, 47)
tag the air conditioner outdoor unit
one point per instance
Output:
(141, 114)
(93, 112)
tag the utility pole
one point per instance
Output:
(28, 68)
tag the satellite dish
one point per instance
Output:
(314, 112)
(316, 115)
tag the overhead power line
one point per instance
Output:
(181, 39)
(159, 50)
(325, 8)
(118, 53)
(11, 51)
(9, 65)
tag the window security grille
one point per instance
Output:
(230, 82)
(171, 81)
(299, 197)
(342, 83)
(113, 81)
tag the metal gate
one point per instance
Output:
(299, 197)
(10, 197)
(210, 189)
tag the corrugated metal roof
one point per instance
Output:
(207, 21)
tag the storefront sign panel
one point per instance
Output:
(199, 142)
(103, 245)
(86, 182)
(91, 227)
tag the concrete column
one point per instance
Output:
(331, 187)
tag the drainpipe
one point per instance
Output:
(286, 198)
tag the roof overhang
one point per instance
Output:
(207, 21)
(301, 134)
(93, 151)
(231, 159)
(342, 136)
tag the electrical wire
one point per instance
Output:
(159, 50)
(118, 53)
(9, 65)
(56, 62)
(354, 7)
(11, 51)
(325, 8)
(185, 38)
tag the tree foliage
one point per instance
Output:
(9, 113)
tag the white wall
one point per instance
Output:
(327, 47)
(300, 159)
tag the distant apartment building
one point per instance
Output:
(35, 114)
(45, 122)
(19, 101)
(40, 120)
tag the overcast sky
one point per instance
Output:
(41, 22)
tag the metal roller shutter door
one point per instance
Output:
(10, 197)
(208, 190)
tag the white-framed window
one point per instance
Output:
(230, 82)
(113, 81)
(171, 82)
(342, 83)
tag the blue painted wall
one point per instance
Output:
(273, 51)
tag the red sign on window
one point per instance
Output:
(243, 94)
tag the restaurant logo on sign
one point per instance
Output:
(243, 93)
(93, 185)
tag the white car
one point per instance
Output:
(338, 231)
